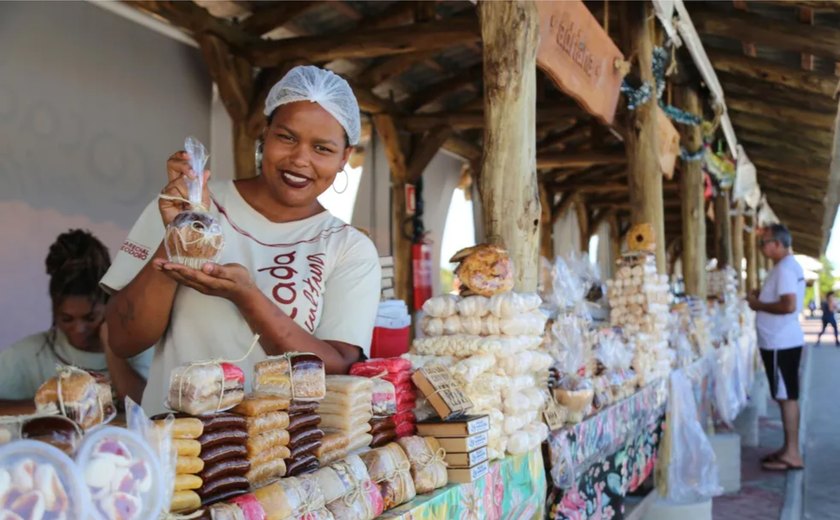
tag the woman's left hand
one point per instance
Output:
(230, 281)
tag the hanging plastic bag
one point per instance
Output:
(727, 395)
(692, 471)
(194, 237)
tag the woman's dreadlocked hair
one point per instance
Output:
(76, 262)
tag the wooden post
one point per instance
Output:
(692, 201)
(509, 193)
(641, 140)
(546, 238)
(751, 252)
(400, 243)
(583, 225)
(738, 244)
(723, 229)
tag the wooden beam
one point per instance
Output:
(583, 224)
(391, 67)
(751, 253)
(437, 35)
(772, 72)
(231, 74)
(791, 150)
(510, 202)
(273, 16)
(641, 132)
(546, 232)
(463, 148)
(738, 244)
(400, 13)
(801, 146)
(426, 151)
(773, 93)
(723, 229)
(806, 16)
(823, 41)
(400, 243)
(192, 19)
(440, 90)
(580, 159)
(774, 160)
(783, 113)
(474, 119)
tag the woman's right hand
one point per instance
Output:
(178, 170)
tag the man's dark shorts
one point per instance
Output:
(782, 368)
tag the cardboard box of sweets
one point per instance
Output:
(466, 460)
(462, 427)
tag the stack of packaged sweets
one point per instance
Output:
(347, 411)
(266, 422)
(300, 378)
(397, 371)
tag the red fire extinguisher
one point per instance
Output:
(421, 258)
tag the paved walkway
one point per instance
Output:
(821, 488)
(763, 492)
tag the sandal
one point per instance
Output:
(781, 465)
(770, 457)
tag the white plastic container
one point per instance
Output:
(35, 476)
(122, 473)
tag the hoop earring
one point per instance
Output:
(346, 182)
(258, 156)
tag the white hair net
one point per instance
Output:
(328, 89)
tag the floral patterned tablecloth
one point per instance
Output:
(596, 463)
(514, 488)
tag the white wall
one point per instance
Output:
(567, 234)
(91, 105)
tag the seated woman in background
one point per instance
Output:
(78, 336)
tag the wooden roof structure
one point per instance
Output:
(418, 66)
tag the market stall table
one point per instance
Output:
(514, 487)
(596, 463)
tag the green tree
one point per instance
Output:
(826, 281)
(447, 279)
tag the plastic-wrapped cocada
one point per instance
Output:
(203, 388)
(194, 237)
(428, 468)
(390, 469)
(298, 376)
(77, 395)
(474, 306)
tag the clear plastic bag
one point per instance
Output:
(692, 471)
(75, 394)
(194, 237)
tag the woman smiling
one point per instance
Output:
(290, 271)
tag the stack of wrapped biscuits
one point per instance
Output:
(384, 407)
(298, 377)
(266, 422)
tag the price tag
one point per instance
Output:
(554, 414)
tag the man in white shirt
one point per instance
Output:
(780, 338)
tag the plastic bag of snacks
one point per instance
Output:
(194, 237)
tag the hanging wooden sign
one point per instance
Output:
(579, 56)
(668, 142)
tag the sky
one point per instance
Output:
(833, 251)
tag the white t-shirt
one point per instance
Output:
(781, 331)
(27, 364)
(320, 271)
